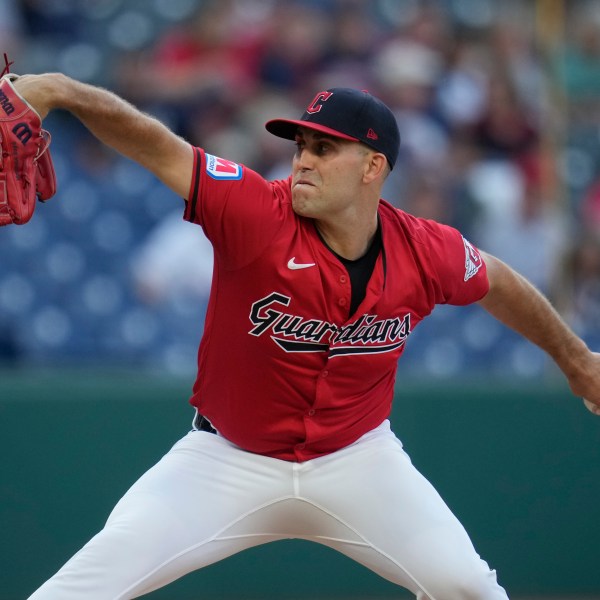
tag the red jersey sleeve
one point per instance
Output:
(239, 211)
(461, 276)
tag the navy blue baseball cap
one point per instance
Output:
(348, 114)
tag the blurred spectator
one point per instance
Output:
(266, 153)
(512, 48)
(174, 261)
(462, 87)
(463, 208)
(514, 223)
(407, 67)
(505, 129)
(580, 64)
(425, 197)
(296, 44)
(407, 73)
(580, 293)
(589, 211)
(353, 39)
(206, 65)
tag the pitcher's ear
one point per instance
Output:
(376, 167)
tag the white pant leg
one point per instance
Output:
(175, 519)
(399, 526)
(206, 500)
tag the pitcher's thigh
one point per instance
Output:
(134, 548)
(168, 523)
(410, 535)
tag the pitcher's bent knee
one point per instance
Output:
(481, 585)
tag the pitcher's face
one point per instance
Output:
(327, 174)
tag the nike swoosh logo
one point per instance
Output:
(292, 264)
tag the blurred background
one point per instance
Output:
(497, 104)
(103, 293)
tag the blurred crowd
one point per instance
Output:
(498, 105)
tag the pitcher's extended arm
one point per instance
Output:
(116, 123)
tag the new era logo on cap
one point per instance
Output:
(349, 114)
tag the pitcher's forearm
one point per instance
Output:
(519, 305)
(116, 123)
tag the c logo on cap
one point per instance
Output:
(317, 103)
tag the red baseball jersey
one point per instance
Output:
(283, 369)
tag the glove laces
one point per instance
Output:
(7, 64)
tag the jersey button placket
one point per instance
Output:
(344, 300)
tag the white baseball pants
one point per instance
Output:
(207, 499)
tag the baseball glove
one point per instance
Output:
(26, 169)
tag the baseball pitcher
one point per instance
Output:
(318, 284)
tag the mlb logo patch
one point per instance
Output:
(221, 168)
